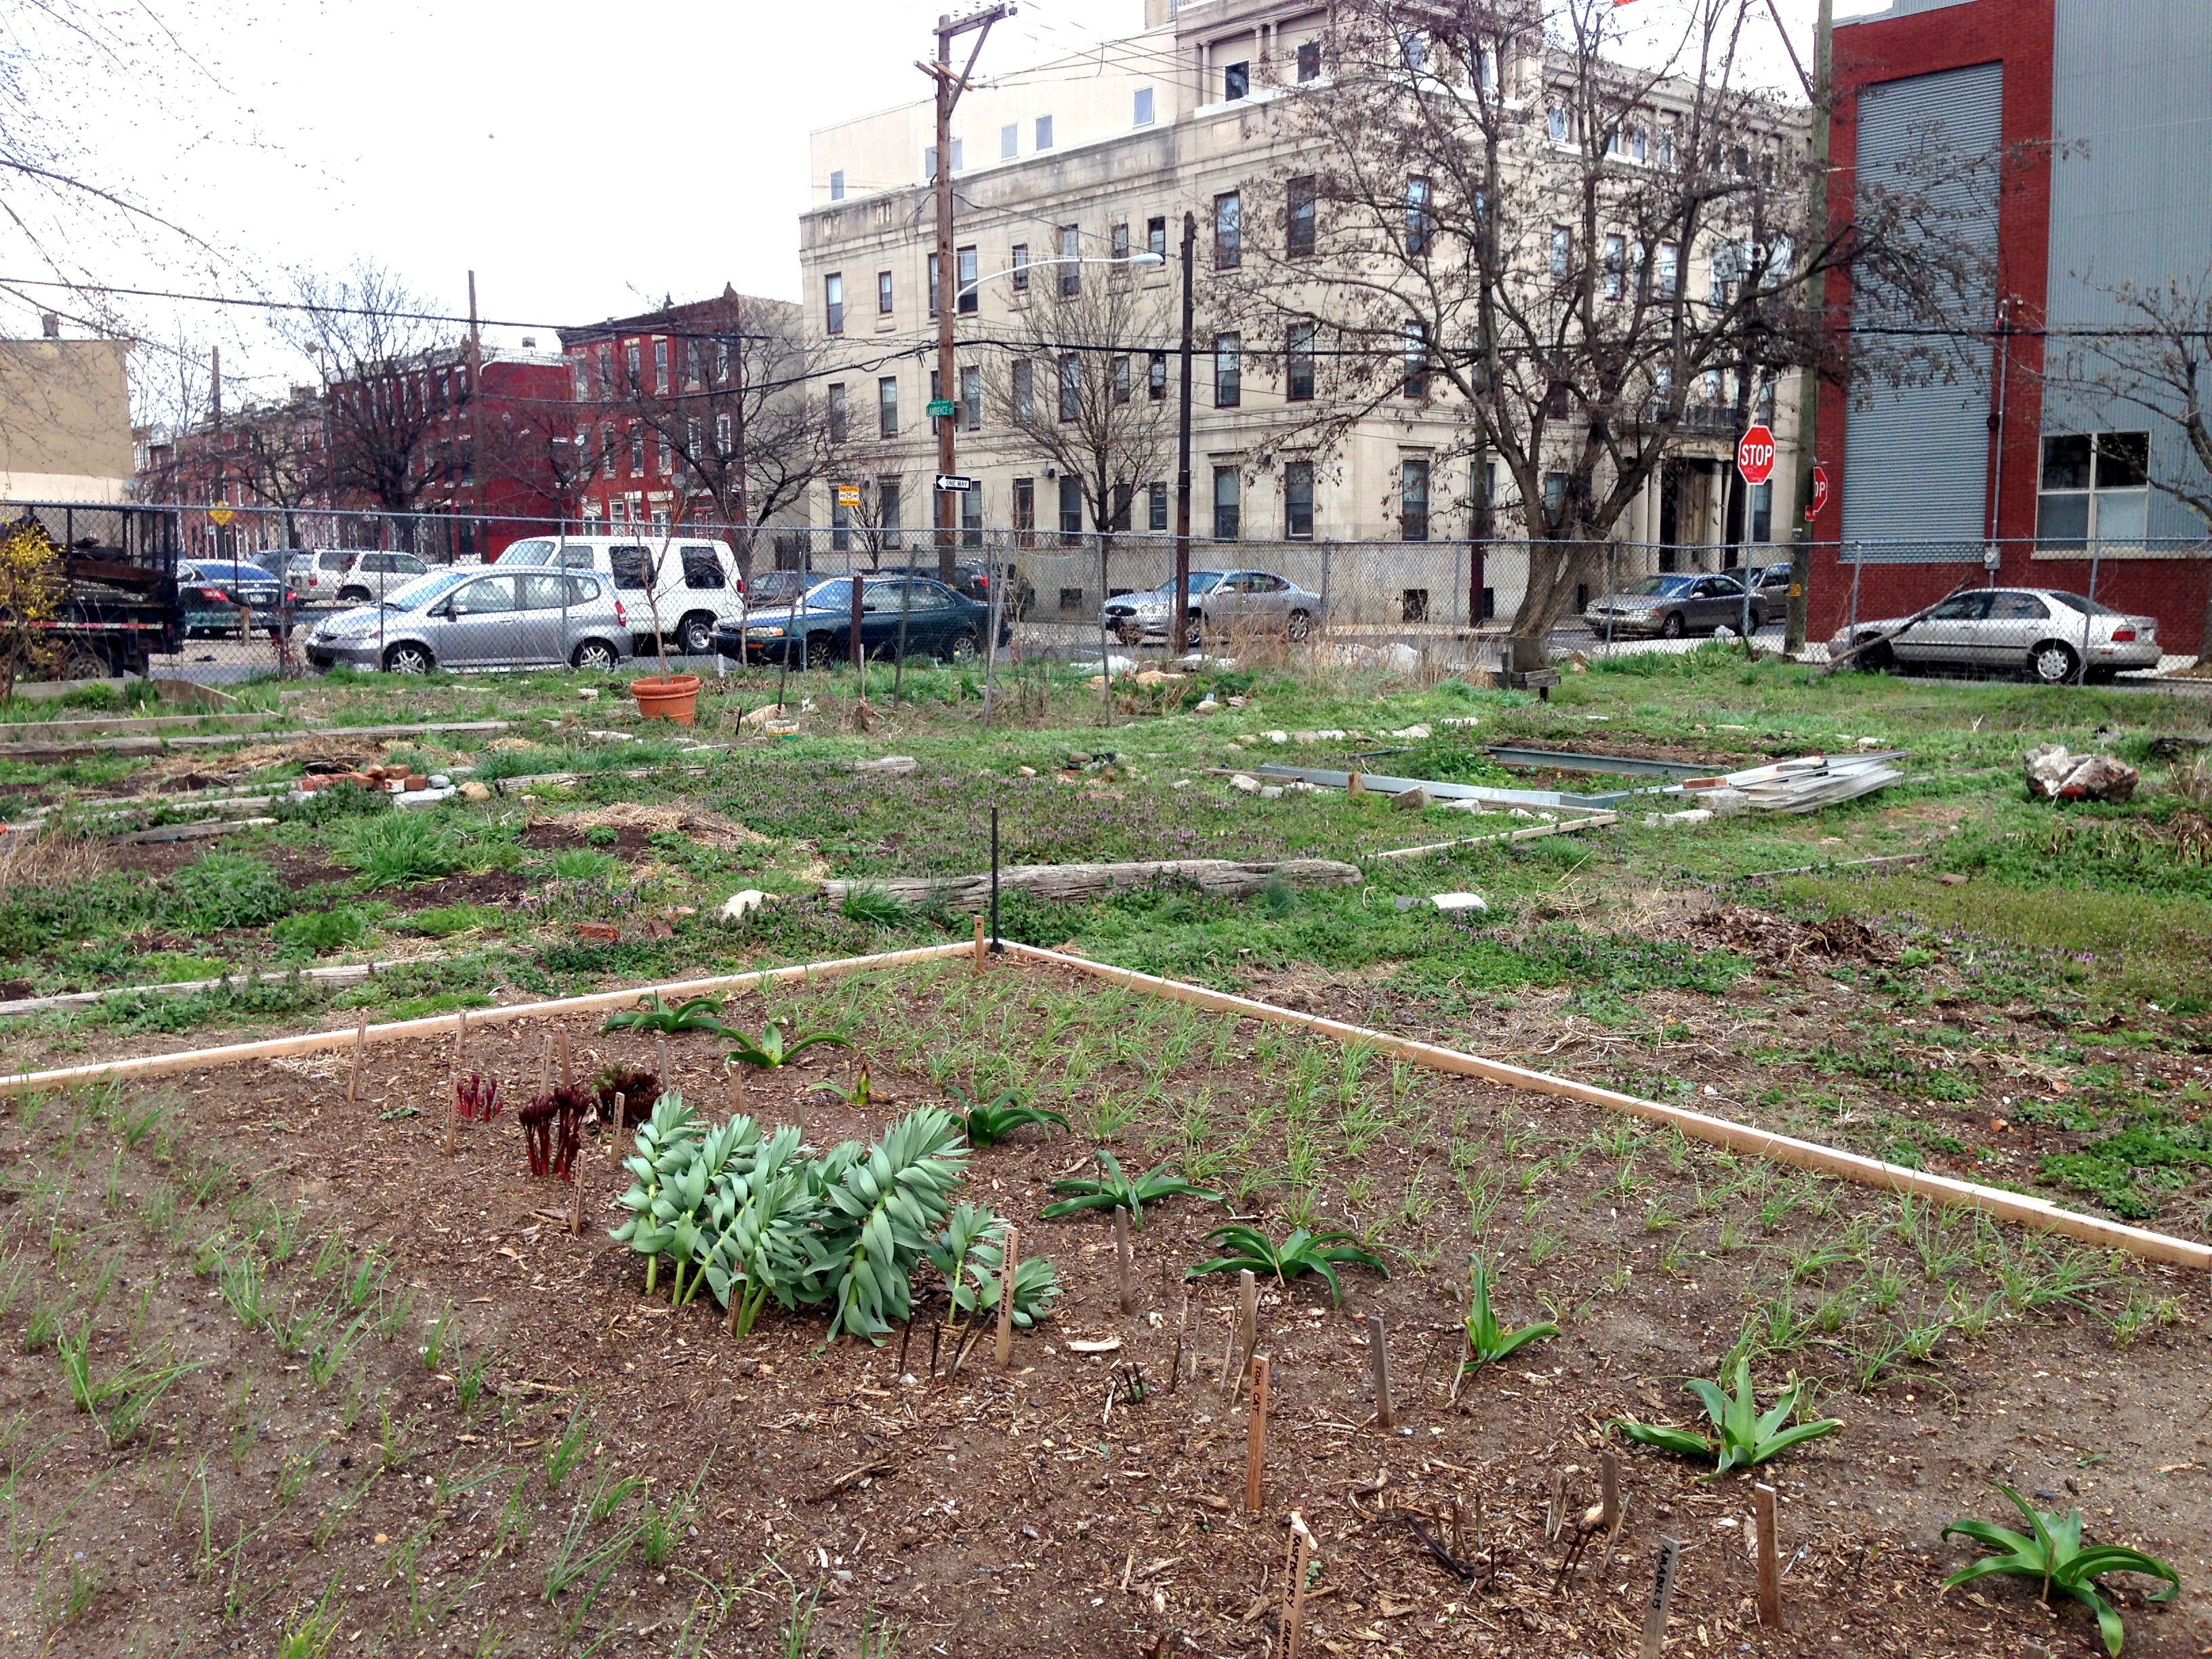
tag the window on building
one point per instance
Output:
(1485, 69)
(721, 362)
(971, 517)
(1417, 359)
(933, 285)
(840, 523)
(837, 185)
(1413, 498)
(1009, 141)
(723, 446)
(1639, 142)
(968, 273)
(2096, 488)
(1227, 518)
(959, 162)
(1156, 376)
(1024, 511)
(1299, 363)
(972, 396)
(1024, 391)
(1228, 371)
(836, 413)
(666, 457)
(1616, 258)
(1228, 231)
(633, 367)
(889, 509)
(1117, 248)
(1414, 50)
(1419, 225)
(1558, 124)
(1043, 132)
(607, 448)
(1156, 507)
(1555, 495)
(887, 406)
(885, 304)
(1562, 253)
(636, 450)
(1762, 512)
(1236, 82)
(1481, 491)
(583, 380)
(1123, 384)
(660, 366)
(1071, 251)
(1666, 270)
(1070, 386)
(833, 303)
(1666, 147)
(1298, 217)
(928, 163)
(1019, 261)
(1156, 238)
(1124, 495)
(1143, 114)
(1297, 500)
(1309, 60)
(1070, 510)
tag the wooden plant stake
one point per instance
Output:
(453, 1093)
(1304, 1540)
(359, 1051)
(1228, 1357)
(1124, 1263)
(545, 1066)
(1608, 1482)
(737, 1090)
(1010, 1255)
(1662, 1593)
(1183, 1335)
(1769, 1557)
(568, 1071)
(980, 952)
(660, 1058)
(576, 1168)
(1248, 1322)
(1255, 1435)
(615, 1121)
(1378, 1361)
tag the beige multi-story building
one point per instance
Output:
(65, 419)
(1099, 156)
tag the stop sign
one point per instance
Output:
(1755, 455)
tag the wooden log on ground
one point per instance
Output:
(1227, 877)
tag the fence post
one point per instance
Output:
(2081, 669)
(1612, 588)
(1105, 661)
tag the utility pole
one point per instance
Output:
(460, 413)
(1180, 632)
(949, 88)
(1808, 377)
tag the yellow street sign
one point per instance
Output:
(849, 495)
(222, 515)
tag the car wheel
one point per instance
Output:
(696, 634)
(1300, 627)
(408, 659)
(594, 657)
(1875, 659)
(354, 596)
(964, 648)
(1128, 634)
(1672, 628)
(83, 663)
(2052, 663)
(820, 651)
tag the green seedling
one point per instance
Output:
(776, 1050)
(2056, 1555)
(654, 1014)
(1746, 1439)
(1487, 1341)
(1300, 1252)
(993, 1120)
(1115, 1191)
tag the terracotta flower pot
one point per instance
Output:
(667, 697)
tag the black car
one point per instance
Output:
(973, 578)
(938, 622)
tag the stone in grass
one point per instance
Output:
(1245, 781)
(1272, 792)
(897, 765)
(738, 906)
(1474, 902)
(1411, 800)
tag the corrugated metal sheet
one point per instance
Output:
(2130, 192)
(1915, 460)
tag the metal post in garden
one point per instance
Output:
(1105, 662)
(995, 577)
(2081, 668)
(996, 945)
(1612, 594)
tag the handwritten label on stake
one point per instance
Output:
(1769, 1557)
(1662, 1593)
(1255, 1435)
(1009, 1258)
(1304, 1539)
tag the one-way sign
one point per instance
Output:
(952, 483)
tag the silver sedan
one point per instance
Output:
(2051, 635)
(1222, 602)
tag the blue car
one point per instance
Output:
(817, 629)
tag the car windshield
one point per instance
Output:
(2087, 607)
(537, 550)
(1201, 581)
(420, 592)
(1669, 587)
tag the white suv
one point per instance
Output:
(697, 587)
(349, 575)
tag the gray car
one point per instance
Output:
(1222, 602)
(2043, 632)
(474, 619)
(1671, 607)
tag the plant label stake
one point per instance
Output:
(1304, 1540)
(568, 1071)
(979, 943)
(545, 1066)
(1255, 1435)
(1608, 1481)
(1378, 1361)
(737, 1090)
(1769, 1557)
(615, 1121)
(1248, 1321)
(1009, 1258)
(360, 1049)
(1124, 1265)
(453, 1095)
(996, 948)
(1662, 1593)
(576, 1168)
(660, 1058)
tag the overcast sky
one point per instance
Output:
(583, 162)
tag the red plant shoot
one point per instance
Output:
(475, 1099)
(553, 1131)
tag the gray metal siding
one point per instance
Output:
(1916, 456)
(2130, 192)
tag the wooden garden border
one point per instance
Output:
(1697, 1126)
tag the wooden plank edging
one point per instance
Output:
(236, 1054)
(1697, 1126)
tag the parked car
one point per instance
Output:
(778, 586)
(2043, 632)
(479, 618)
(212, 590)
(939, 622)
(1770, 581)
(973, 578)
(1671, 607)
(349, 575)
(694, 584)
(1221, 602)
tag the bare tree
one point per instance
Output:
(2157, 358)
(1492, 221)
(1075, 383)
